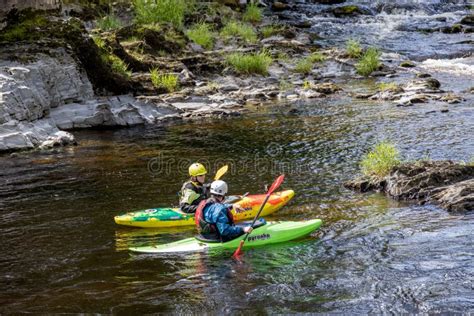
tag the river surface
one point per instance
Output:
(62, 252)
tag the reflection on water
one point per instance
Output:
(62, 252)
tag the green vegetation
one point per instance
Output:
(252, 14)
(304, 66)
(316, 57)
(109, 22)
(353, 49)
(118, 66)
(285, 85)
(380, 161)
(269, 30)
(27, 29)
(99, 42)
(306, 85)
(163, 80)
(257, 63)
(238, 29)
(201, 34)
(369, 62)
(282, 56)
(388, 86)
(156, 11)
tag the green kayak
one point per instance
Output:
(270, 233)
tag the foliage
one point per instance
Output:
(25, 30)
(353, 49)
(201, 34)
(252, 14)
(269, 30)
(118, 66)
(238, 29)
(257, 63)
(164, 80)
(156, 11)
(380, 161)
(316, 57)
(369, 62)
(109, 22)
(303, 66)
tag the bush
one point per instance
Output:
(250, 63)
(380, 161)
(353, 49)
(201, 34)
(252, 14)
(156, 11)
(369, 62)
(303, 66)
(166, 81)
(109, 22)
(238, 29)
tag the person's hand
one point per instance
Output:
(238, 208)
(248, 229)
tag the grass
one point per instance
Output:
(269, 30)
(252, 14)
(163, 80)
(157, 11)
(306, 85)
(109, 22)
(118, 66)
(388, 86)
(316, 57)
(379, 162)
(369, 62)
(303, 66)
(256, 63)
(99, 42)
(201, 34)
(239, 29)
(353, 49)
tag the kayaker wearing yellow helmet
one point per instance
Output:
(194, 190)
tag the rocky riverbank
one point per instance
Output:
(59, 71)
(446, 183)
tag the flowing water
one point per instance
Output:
(62, 252)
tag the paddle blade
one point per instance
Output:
(276, 184)
(238, 252)
(221, 172)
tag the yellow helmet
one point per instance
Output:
(197, 169)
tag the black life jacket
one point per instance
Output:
(204, 227)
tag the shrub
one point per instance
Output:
(238, 29)
(380, 161)
(201, 34)
(252, 14)
(166, 81)
(109, 22)
(353, 49)
(369, 62)
(250, 63)
(303, 66)
(156, 11)
(316, 57)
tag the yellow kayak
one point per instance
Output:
(172, 217)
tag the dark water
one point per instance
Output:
(62, 252)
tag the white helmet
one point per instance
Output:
(219, 187)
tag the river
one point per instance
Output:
(62, 251)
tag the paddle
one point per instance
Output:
(221, 172)
(273, 187)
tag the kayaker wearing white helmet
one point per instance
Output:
(194, 190)
(214, 219)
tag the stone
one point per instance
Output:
(468, 20)
(407, 64)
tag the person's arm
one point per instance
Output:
(224, 227)
(190, 201)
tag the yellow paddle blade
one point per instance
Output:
(221, 172)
